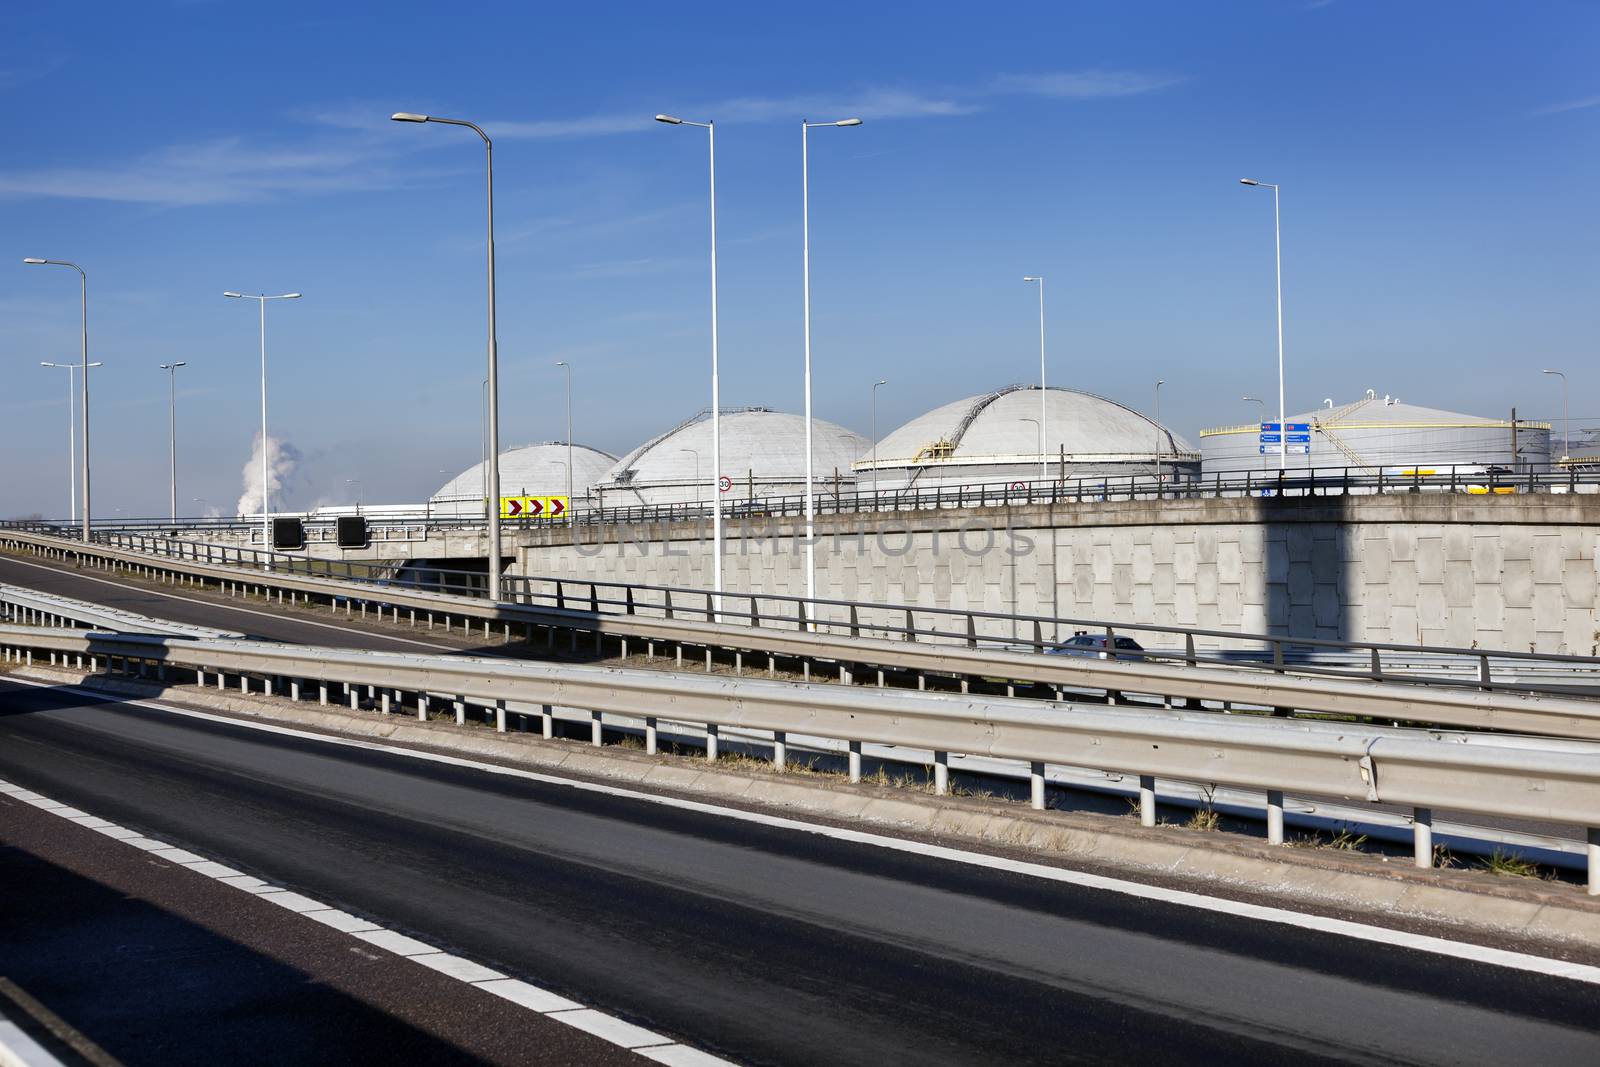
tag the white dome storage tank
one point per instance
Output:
(528, 470)
(763, 455)
(1382, 434)
(994, 438)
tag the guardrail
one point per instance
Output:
(32, 608)
(1501, 708)
(1379, 661)
(1471, 479)
(1517, 778)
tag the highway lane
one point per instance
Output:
(767, 945)
(178, 604)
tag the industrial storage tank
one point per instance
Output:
(1381, 434)
(527, 470)
(996, 437)
(763, 455)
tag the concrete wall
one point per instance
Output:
(1515, 573)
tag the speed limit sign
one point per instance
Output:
(724, 483)
(1018, 485)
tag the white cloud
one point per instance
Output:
(221, 171)
(1083, 84)
(1570, 105)
(365, 154)
(873, 103)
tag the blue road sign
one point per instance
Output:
(1270, 438)
(1269, 427)
(1299, 427)
(1298, 438)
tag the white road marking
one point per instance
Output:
(17, 1049)
(456, 967)
(230, 607)
(13, 1043)
(1438, 946)
(529, 996)
(611, 1028)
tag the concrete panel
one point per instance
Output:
(1430, 560)
(1403, 627)
(1458, 583)
(1548, 558)
(1578, 585)
(1457, 542)
(1518, 634)
(1402, 543)
(1230, 561)
(1488, 559)
(1516, 583)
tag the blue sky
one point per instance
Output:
(1439, 163)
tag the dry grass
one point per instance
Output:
(1509, 863)
(1205, 817)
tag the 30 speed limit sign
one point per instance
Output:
(724, 483)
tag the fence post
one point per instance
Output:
(1422, 837)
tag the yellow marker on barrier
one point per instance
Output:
(533, 507)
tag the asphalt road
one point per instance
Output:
(178, 604)
(160, 966)
(767, 945)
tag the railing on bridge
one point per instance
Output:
(1542, 779)
(1476, 668)
(1309, 482)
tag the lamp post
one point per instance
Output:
(1044, 459)
(1277, 241)
(483, 447)
(266, 510)
(568, 368)
(72, 439)
(805, 253)
(1159, 383)
(880, 381)
(172, 428)
(716, 401)
(1566, 439)
(83, 282)
(696, 456)
(492, 464)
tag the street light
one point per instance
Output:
(880, 381)
(1566, 440)
(492, 460)
(716, 400)
(266, 511)
(172, 428)
(1277, 240)
(483, 446)
(1159, 383)
(1044, 460)
(72, 439)
(83, 281)
(805, 246)
(568, 367)
(696, 456)
(1263, 403)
